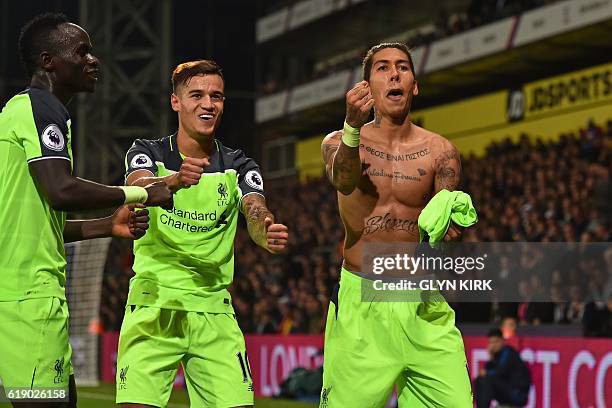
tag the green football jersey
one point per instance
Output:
(34, 125)
(185, 261)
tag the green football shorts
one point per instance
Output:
(34, 343)
(372, 346)
(210, 346)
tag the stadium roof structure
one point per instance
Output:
(348, 25)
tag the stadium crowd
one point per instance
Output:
(528, 191)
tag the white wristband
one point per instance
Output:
(134, 194)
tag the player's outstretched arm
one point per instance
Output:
(188, 175)
(261, 226)
(129, 221)
(66, 192)
(341, 149)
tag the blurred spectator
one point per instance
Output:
(575, 307)
(505, 377)
(559, 309)
(605, 319)
(598, 318)
(508, 327)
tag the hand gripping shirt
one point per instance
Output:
(185, 261)
(34, 125)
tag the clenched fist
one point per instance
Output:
(277, 236)
(189, 174)
(359, 103)
(159, 194)
(130, 221)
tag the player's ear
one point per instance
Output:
(46, 61)
(415, 89)
(174, 102)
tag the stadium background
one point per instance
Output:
(522, 87)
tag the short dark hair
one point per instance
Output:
(367, 61)
(495, 332)
(35, 37)
(187, 70)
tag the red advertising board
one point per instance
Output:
(566, 371)
(273, 357)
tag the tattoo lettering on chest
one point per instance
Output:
(396, 157)
(396, 176)
(386, 222)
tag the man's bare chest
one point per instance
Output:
(404, 176)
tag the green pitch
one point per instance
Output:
(103, 396)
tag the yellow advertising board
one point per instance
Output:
(308, 159)
(465, 117)
(567, 93)
(547, 128)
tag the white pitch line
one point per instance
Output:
(106, 397)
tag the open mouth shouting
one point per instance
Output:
(395, 94)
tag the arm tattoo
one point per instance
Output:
(448, 170)
(346, 169)
(342, 163)
(328, 151)
(255, 211)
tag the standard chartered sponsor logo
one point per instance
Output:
(169, 218)
(194, 214)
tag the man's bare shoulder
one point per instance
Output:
(368, 129)
(429, 135)
(333, 138)
(437, 142)
(329, 145)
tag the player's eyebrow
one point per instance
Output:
(195, 91)
(384, 61)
